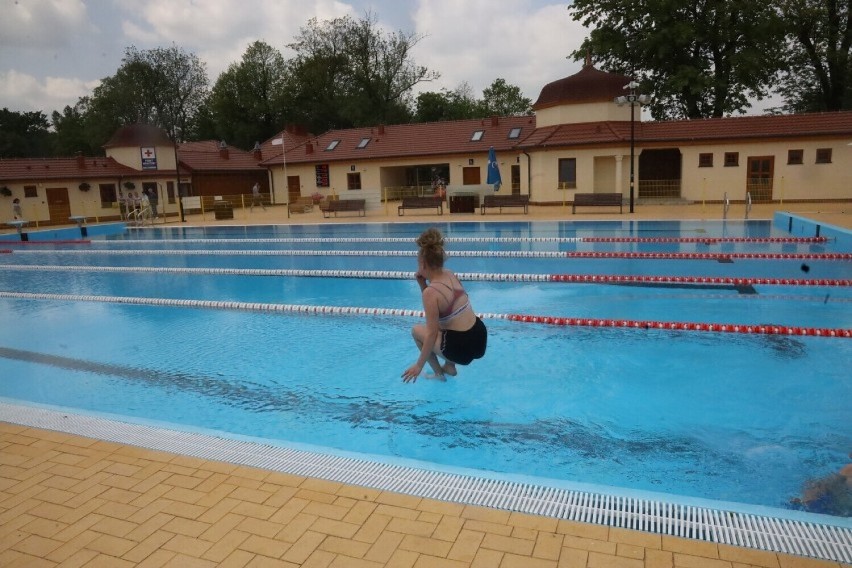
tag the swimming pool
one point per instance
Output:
(591, 390)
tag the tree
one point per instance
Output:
(161, 86)
(246, 103)
(503, 99)
(458, 104)
(71, 132)
(698, 59)
(348, 73)
(819, 72)
(24, 134)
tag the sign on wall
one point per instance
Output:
(322, 175)
(149, 158)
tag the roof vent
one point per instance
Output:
(309, 148)
(223, 150)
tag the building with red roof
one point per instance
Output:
(578, 141)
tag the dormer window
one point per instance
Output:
(363, 143)
(477, 136)
(515, 133)
(332, 145)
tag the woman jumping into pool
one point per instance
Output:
(452, 330)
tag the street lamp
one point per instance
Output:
(633, 99)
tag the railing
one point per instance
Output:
(748, 204)
(650, 188)
(725, 206)
(760, 188)
(396, 193)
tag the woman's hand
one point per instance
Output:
(410, 375)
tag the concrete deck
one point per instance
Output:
(72, 501)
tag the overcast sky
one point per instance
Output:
(54, 51)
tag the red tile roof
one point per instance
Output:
(411, 140)
(838, 124)
(24, 169)
(139, 135)
(208, 156)
(290, 138)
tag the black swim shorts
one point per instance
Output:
(462, 347)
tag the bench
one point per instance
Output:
(421, 203)
(301, 205)
(337, 205)
(598, 199)
(501, 201)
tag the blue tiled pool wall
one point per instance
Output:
(66, 233)
(799, 226)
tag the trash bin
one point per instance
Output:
(464, 202)
(223, 210)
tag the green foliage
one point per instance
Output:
(818, 76)
(697, 59)
(503, 99)
(24, 134)
(499, 99)
(246, 104)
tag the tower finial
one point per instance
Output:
(588, 58)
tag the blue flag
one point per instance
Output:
(493, 170)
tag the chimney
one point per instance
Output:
(258, 155)
(223, 150)
(495, 121)
(381, 129)
(309, 148)
(81, 160)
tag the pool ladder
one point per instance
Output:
(727, 205)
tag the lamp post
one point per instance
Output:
(633, 99)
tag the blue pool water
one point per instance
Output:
(732, 417)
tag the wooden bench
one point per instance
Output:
(501, 201)
(421, 203)
(301, 205)
(337, 205)
(598, 199)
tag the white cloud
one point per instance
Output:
(43, 24)
(25, 93)
(474, 42)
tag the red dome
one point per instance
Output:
(586, 86)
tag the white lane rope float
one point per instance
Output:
(468, 276)
(411, 240)
(459, 254)
(758, 329)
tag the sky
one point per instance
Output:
(52, 52)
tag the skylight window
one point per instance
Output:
(363, 143)
(477, 136)
(515, 133)
(332, 145)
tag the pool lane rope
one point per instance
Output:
(758, 329)
(468, 276)
(411, 240)
(454, 254)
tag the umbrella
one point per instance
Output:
(493, 170)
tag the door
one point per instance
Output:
(760, 175)
(515, 174)
(294, 188)
(58, 205)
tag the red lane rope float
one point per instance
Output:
(52, 242)
(711, 256)
(5, 251)
(705, 240)
(758, 329)
(467, 276)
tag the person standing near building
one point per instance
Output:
(17, 213)
(154, 200)
(256, 198)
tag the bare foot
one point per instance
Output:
(449, 368)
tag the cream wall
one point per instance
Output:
(583, 112)
(132, 157)
(380, 174)
(806, 181)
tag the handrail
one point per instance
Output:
(748, 204)
(726, 206)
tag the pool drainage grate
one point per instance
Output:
(787, 536)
